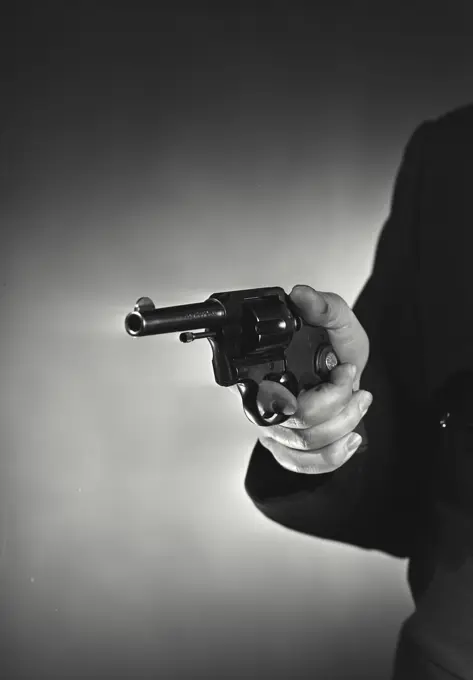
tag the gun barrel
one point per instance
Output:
(209, 314)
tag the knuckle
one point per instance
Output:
(304, 442)
(353, 417)
(267, 442)
(340, 402)
(297, 422)
(335, 454)
(299, 469)
(274, 434)
(337, 298)
(352, 412)
(294, 439)
(288, 459)
(338, 308)
(343, 422)
(363, 402)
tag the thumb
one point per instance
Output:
(347, 336)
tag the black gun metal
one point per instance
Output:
(255, 335)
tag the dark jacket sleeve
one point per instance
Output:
(369, 501)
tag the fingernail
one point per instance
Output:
(353, 442)
(352, 371)
(365, 402)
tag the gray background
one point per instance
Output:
(175, 154)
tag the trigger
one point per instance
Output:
(275, 397)
(289, 381)
(249, 393)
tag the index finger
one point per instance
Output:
(325, 401)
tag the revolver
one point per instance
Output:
(255, 335)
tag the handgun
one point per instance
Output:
(255, 335)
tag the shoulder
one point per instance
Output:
(451, 129)
(444, 143)
(456, 121)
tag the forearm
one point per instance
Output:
(372, 500)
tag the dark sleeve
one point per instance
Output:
(369, 501)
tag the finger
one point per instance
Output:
(315, 438)
(327, 459)
(347, 336)
(324, 401)
(274, 397)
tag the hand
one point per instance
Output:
(315, 439)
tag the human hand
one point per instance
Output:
(317, 437)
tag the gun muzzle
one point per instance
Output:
(147, 320)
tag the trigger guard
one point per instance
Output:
(249, 394)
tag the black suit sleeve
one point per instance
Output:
(370, 500)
